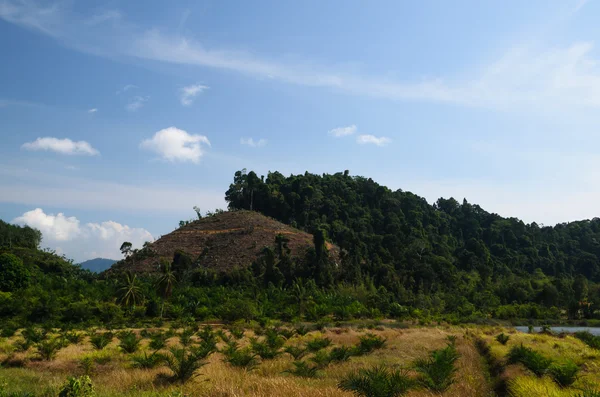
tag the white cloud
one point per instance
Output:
(343, 131)
(252, 143)
(93, 110)
(189, 93)
(81, 242)
(136, 103)
(62, 146)
(372, 139)
(173, 144)
(126, 88)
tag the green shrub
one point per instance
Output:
(34, 335)
(295, 351)
(185, 337)
(147, 361)
(377, 382)
(158, 340)
(8, 330)
(589, 339)
(564, 374)
(340, 354)
(438, 370)
(87, 364)
(129, 341)
(237, 333)
(184, 363)
(101, 340)
(588, 393)
(243, 358)
(77, 387)
(368, 343)
(303, 369)
(208, 335)
(22, 345)
(47, 349)
(302, 330)
(532, 360)
(321, 359)
(502, 338)
(317, 344)
(263, 350)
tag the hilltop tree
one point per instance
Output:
(13, 274)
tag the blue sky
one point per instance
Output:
(117, 117)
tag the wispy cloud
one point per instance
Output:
(126, 88)
(372, 139)
(61, 146)
(189, 93)
(252, 143)
(93, 110)
(173, 144)
(342, 131)
(136, 103)
(525, 78)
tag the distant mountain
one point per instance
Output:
(97, 265)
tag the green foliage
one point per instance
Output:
(34, 335)
(502, 338)
(532, 360)
(264, 350)
(303, 369)
(316, 344)
(368, 343)
(377, 382)
(129, 342)
(588, 393)
(340, 354)
(321, 359)
(238, 357)
(237, 333)
(101, 340)
(77, 387)
(87, 365)
(185, 337)
(184, 363)
(589, 339)
(48, 348)
(296, 352)
(438, 370)
(147, 361)
(13, 274)
(158, 340)
(564, 374)
(73, 337)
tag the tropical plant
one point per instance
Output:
(146, 360)
(321, 359)
(532, 360)
(564, 374)
(77, 387)
(129, 342)
(237, 357)
(34, 335)
(296, 352)
(377, 382)
(101, 340)
(340, 354)
(303, 369)
(130, 292)
(317, 344)
(368, 343)
(438, 370)
(73, 337)
(165, 283)
(158, 340)
(48, 348)
(185, 337)
(502, 338)
(184, 363)
(87, 364)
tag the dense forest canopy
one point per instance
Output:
(399, 257)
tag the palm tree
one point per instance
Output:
(130, 292)
(164, 283)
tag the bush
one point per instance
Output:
(77, 387)
(158, 340)
(502, 338)
(34, 335)
(368, 343)
(47, 349)
(101, 340)
(237, 333)
(8, 330)
(146, 361)
(129, 341)
(237, 357)
(377, 382)
(184, 363)
(295, 351)
(73, 337)
(321, 359)
(437, 371)
(564, 374)
(317, 344)
(185, 337)
(532, 360)
(589, 339)
(302, 369)
(263, 350)
(340, 354)
(588, 393)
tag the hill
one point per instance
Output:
(97, 265)
(221, 242)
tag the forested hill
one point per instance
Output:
(403, 242)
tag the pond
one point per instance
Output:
(559, 329)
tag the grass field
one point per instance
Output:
(113, 372)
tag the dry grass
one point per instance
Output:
(118, 378)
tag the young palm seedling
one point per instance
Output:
(369, 343)
(564, 374)
(147, 361)
(438, 370)
(295, 351)
(184, 363)
(303, 370)
(48, 348)
(377, 382)
(502, 338)
(317, 344)
(242, 358)
(101, 340)
(129, 342)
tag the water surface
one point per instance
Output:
(558, 329)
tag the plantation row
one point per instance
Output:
(185, 356)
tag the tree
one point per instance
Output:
(13, 274)
(130, 293)
(126, 249)
(198, 213)
(165, 283)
